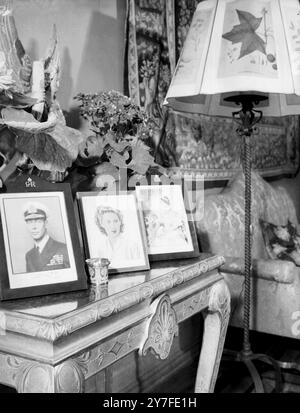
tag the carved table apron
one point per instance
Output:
(55, 343)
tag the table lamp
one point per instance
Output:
(241, 59)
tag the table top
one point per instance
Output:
(56, 315)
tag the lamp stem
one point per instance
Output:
(248, 265)
(247, 118)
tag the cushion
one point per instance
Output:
(281, 241)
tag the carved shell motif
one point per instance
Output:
(162, 328)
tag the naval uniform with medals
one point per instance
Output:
(53, 256)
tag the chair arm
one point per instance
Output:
(284, 272)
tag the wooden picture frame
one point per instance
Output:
(170, 234)
(125, 243)
(39, 244)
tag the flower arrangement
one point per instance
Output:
(121, 131)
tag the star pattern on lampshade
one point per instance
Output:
(245, 33)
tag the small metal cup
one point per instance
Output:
(98, 270)
(98, 292)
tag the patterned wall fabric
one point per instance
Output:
(156, 33)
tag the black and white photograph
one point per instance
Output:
(149, 198)
(114, 230)
(37, 239)
(166, 222)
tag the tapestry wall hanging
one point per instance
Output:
(156, 31)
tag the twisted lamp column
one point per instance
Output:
(247, 118)
(248, 235)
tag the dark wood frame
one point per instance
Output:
(80, 195)
(184, 254)
(32, 184)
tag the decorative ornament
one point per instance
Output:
(245, 33)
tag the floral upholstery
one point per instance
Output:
(276, 283)
(223, 217)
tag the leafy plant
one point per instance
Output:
(121, 131)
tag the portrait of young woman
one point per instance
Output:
(113, 229)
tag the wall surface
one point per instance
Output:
(91, 40)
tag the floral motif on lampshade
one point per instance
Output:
(237, 46)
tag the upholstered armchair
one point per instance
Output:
(276, 283)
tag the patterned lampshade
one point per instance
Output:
(240, 47)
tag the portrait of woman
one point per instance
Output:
(114, 230)
(165, 227)
(169, 232)
(116, 247)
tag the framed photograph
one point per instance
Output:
(113, 228)
(39, 245)
(170, 234)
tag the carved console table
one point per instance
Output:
(55, 343)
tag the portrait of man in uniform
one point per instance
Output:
(47, 253)
(39, 242)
